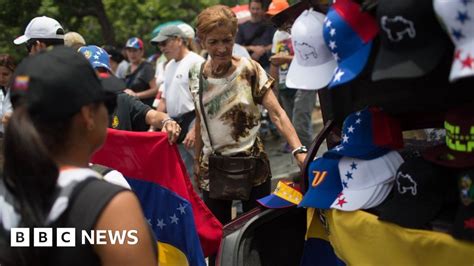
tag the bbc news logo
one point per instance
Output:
(66, 237)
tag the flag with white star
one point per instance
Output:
(184, 227)
(458, 18)
(365, 182)
(348, 32)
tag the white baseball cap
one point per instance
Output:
(187, 30)
(41, 28)
(457, 17)
(313, 65)
(366, 183)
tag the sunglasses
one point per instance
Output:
(30, 44)
(165, 42)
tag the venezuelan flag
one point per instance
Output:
(185, 228)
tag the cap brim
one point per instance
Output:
(411, 63)
(457, 70)
(442, 155)
(20, 40)
(355, 199)
(353, 65)
(410, 213)
(358, 152)
(159, 38)
(379, 196)
(274, 202)
(310, 78)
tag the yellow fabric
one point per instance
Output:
(170, 256)
(288, 193)
(359, 238)
(314, 227)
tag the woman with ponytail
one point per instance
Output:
(60, 119)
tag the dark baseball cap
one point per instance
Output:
(55, 84)
(420, 191)
(412, 41)
(458, 152)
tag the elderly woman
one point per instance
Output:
(227, 118)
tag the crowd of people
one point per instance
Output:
(206, 91)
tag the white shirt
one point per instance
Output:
(176, 85)
(240, 51)
(5, 106)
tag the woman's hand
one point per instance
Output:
(173, 129)
(196, 172)
(189, 140)
(131, 93)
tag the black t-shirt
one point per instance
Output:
(260, 33)
(130, 114)
(139, 80)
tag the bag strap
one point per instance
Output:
(203, 111)
(101, 169)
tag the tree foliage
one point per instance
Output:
(99, 21)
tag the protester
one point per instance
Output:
(130, 113)
(60, 120)
(232, 90)
(140, 78)
(176, 99)
(41, 33)
(7, 67)
(256, 34)
(74, 40)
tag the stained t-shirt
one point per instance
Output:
(232, 113)
(130, 114)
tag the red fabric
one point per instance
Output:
(362, 23)
(386, 130)
(149, 157)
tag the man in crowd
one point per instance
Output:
(256, 34)
(176, 99)
(41, 33)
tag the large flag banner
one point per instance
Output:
(184, 227)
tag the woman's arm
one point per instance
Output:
(112, 218)
(155, 120)
(198, 145)
(282, 122)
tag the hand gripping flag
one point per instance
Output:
(157, 175)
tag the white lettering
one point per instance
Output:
(89, 237)
(101, 237)
(117, 235)
(133, 237)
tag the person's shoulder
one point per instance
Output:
(193, 57)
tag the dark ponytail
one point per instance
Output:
(30, 174)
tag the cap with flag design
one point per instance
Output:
(363, 179)
(457, 17)
(282, 197)
(313, 64)
(358, 135)
(135, 43)
(97, 56)
(420, 190)
(325, 184)
(458, 152)
(412, 41)
(348, 32)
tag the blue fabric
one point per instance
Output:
(318, 252)
(170, 217)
